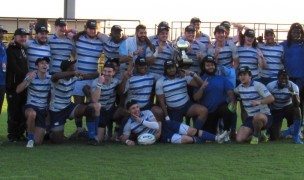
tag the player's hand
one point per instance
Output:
(256, 102)
(139, 51)
(260, 39)
(189, 49)
(260, 54)
(137, 118)
(31, 75)
(199, 55)
(101, 78)
(205, 83)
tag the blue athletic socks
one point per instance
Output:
(297, 129)
(208, 136)
(91, 129)
(198, 124)
(30, 136)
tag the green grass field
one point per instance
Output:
(76, 160)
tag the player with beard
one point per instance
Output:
(133, 47)
(285, 105)
(38, 47)
(213, 94)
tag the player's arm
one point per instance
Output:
(124, 138)
(161, 100)
(89, 76)
(294, 93)
(62, 75)
(26, 82)
(197, 96)
(97, 92)
(151, 123)
(267, 97)
(124, 81)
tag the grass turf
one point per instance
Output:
(76, 160)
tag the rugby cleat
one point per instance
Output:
(264, 136)
(221, 138)
(254, 140)
(30, 144)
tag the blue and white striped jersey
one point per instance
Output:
(175, 90)
(61, 93)
(157, 66)
(88, 52)
(248, 56)
(255, 91)
(196, 47)
(38, 91)
(273, 56)
(139, 88)
(282, 97)
(134, 127)
(110, 48)
(226, 55)
(107, 94)
(61, 49)
(35, 51)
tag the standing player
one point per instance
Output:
(294, 59)
(274, 54)
(172, 95)
(88, 51)
(168, 131)
(249, 55)
(199, 35)
(105, 93)
(35, 110)
(61, 46)
(163, 24)
(163, 51)
(285, 105)
(39, 47)
(3, 64)
(196, 51)
(255, 98)
(61, 107)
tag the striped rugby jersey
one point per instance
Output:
(273, 56)
(35, 51)
(88, 52)
(134, 127)
(38, 91)
(61, 49)
(255, 91)
(248, 56)
(139, 88)
(61, 93)
(282, 97)
(175, 90)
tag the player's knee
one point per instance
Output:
(192, 131)
(31, 114)
(89, 112)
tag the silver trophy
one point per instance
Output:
(182, 45)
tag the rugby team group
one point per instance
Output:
(184, 91)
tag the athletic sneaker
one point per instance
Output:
(93, 142)
(30, 144)
(220, 138)
(254, 140)
(264, 136)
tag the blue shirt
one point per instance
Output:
(215, 93)
(294, 59)
(3, 59)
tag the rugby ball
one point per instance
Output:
(146, 139)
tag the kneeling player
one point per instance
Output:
(39, 85)
(61, 106)
(255, 98)
(169, 131)
(285, 105)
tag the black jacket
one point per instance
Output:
(17, 66)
